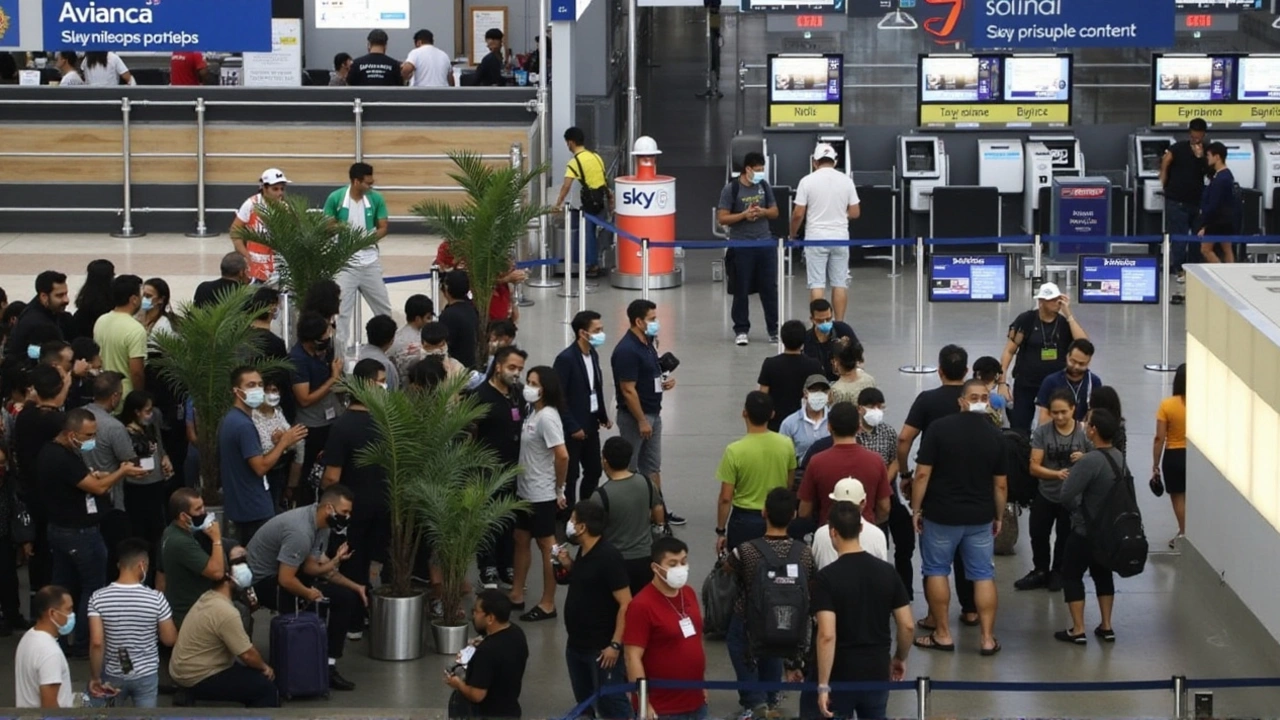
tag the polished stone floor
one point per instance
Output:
(1177, 618)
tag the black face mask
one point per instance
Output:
(338, 523)
(323, 345)
(198, 520)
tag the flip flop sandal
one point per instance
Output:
(537, 614)
(929, 642)
(1066, 637)
(925, 626)
(1105, 635)
(970, 623)
(988, 652)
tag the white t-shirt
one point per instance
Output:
(71, 79)
(431, 66)
(39, 661)
(591, 381)
(108, 74)
(826, 194)
(356, 219)
(543, 430)
(871, 538)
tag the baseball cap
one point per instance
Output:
(849, 490)
(824, 151)
(273, 176)
(817, 379)
(1049, 291)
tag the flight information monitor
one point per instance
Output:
(959, 78)
(1037, 79)
(968, 278)
(1196, 79)
(1120, 279)
(1259, 78)
(806, 90)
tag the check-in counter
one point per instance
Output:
(141, 159)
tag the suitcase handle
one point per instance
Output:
(299, 603)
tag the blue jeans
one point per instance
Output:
(1178, 219)
(748, 669)
(975, 544)
(863, 704)
(744, 526)
(142, 690)
(699, 714)
(80, 566)
(755, 268)
(586, 677)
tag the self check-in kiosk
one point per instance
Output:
(1268, 170)
(1000, 165)
(922, 164)
(841, 145)
(1242, 160)
(1047, 157)
(1146, 154)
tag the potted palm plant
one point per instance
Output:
(484, 229)
(442, 487)
(197, 359)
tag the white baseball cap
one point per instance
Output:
(1049, 291)
(824, 151)
(849, 490)
(273, 176)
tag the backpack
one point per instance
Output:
(1022, 487)
(594, 200)
(663, 530)
(719, 592)
(778, 605)
(1116, 534)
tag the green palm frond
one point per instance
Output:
(313, 246)
(483, 230)
(213, 341)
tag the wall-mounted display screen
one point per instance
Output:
(1037, 79)
(806, 90)
(1131, 279)
(1259, 78)
(1205, 78)
(361, 14)
(795, 6)
(959, 78)
(968, 278)
(1217, 5)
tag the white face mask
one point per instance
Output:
(677, 577)
(569, 530)
(978, 407)
(873, 417)
(441, 351)
(817, 401)
(273, 399)
(532, 394)
(242, 575)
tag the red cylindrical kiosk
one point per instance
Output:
(646, 208)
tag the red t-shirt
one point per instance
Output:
(831, 466)
(653, 623)
(499, 304)
(185, 67)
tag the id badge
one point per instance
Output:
(147, 463)
(657, 385)
(266, 484)
(595, 403)
(330, 413)
(91, 505)
(686, 627)
(515, 415)
(1049, 353)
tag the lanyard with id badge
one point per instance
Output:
(687, 630)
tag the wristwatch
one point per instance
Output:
(720, 532)
(616, 646)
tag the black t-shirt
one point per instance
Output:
(500, 426)
(490, 70)
(61, 470)
(1186, 174)
(933, 405)
(352, 431)
(208, 291)
(863, 591)
(784, 375)
(498, 666)
(375, 69)
(823, 352)
(464, 324)
(1043, 350)
(34, 428)
(590, 610)
(965, 451)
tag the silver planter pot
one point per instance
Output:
(397, 627)
(449, 639)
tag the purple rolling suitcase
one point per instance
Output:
(300, 655)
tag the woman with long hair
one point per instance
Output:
(157, 317)
(156, 314)
(94, 299)
(145, 497)
(853, 379)
(1169, 451)
(545, 461)
(105, 68)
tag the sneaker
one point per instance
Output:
(740, 340)
(489, 578)
(1033, 580)
(508, 578)
(1055, 582)
(1106, 635)
(773, 339)
(1067, 637)
(355, 636)
(674, 519)
(1182, 278)
(337, 682)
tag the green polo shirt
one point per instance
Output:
(375, 208)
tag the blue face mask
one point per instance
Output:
(67, 627)
(146, 304)
(89, 445)
(596, 340)
(652, 328)
(825, 327)
(33, 352)
(757, 177)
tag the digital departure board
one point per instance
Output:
(969, 278)
(1224, 90)
(806, 90)
(984, 92)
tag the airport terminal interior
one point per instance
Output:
(1180, 617)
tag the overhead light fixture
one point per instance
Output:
(897, 20)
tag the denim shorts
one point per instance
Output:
(825, 266)
(975, 543)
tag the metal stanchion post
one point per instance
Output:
(922, 698)
(286, 319)
(569, 290)
(357, 327)
(712, 91)
(919, 368)
(583, 229)
(782, 286)
(435, 288)
(126, 153)
(1037, 257)
(1179, 697)
(644, 268)
(202, 230)
(544, 279)
(1163, 365)
(644, 698)
(357, 109)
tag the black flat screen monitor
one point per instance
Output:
(969, 278)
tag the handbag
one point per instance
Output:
(1157, 485)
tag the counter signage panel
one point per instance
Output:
(806, 90)
(1225, 90)
(968, 278)
(974, 92)
(153, 26)
(1128, 279)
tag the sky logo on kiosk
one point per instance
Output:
(638, 197)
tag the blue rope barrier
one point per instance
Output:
(538, 263)
(406, 278)
(1116, 686)
(1225, 683)
(602, 223)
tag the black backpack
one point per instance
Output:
(660, 531)
(1116, 534)
(778, 608)
(594, 200)
(1022, 486)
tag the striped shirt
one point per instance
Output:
(131, 615)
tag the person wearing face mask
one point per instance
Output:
(499, 429)
(406, 348)
(957, 501)
(663, 635)
(809, 424)
(113, 447)
(316, 370)
(36, 425)
(269, 345)
(1075, 378)
(244, 466)
(189, 569)
(122, 338)
(380, 332)
(42, 678)
(595, 610)
(501, 332)
(434, 343)
(639, 384)
(46, 309)
(582, 378)
(291, 568)
(782, 376)
(853, 379)
(879, 437)
(544, 463)
(269, 419)
(75, 502)
(845, 458)
(126, 618)
(822, 342)
(746, 206)
(495, 674)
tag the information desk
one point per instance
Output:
(969, 278)
(1127, 279)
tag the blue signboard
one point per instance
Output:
(968, 278)
(10, 23)
(158, 25)
(564, 10)
(1081, 207)
(1041, 24)
(1119, 279)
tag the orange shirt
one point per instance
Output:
(1173, 412)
